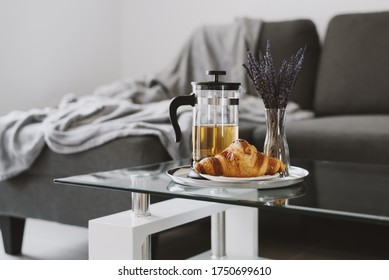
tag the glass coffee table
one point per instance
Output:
(355, 192)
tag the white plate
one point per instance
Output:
(238, 179)
(180, 175)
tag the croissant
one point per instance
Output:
(240, 159)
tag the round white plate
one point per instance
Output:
(180, 175)
(238, 179)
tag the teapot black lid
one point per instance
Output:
(216, 84)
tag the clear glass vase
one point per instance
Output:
(276, 144)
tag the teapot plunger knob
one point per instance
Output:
(217, 73)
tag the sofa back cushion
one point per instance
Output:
(286, 38)
(353, 76)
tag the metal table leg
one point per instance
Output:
(218, 235)
(140, 208)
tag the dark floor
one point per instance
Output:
(293, 236)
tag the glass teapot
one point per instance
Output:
(215, 115)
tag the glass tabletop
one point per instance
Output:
(344, 190)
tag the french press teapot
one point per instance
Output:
(215, 115)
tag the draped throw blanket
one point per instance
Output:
(134, 107)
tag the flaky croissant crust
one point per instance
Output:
(240, 159)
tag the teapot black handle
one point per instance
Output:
(174, 104)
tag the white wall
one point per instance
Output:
(51, 47)
(154, 31)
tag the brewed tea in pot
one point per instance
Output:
(215, 115)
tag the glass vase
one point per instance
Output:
(276, 144)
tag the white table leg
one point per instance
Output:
(120, 236)
(242, 232)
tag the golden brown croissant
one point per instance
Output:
(240, 159)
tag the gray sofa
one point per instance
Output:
(343, 82)
(351, 96)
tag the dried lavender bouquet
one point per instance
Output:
(274, 89)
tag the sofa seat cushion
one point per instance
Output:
(70, 204)
(119, 153)
(337, 138)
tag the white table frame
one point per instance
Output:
(124, 236)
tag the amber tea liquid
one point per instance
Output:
(211, 140)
